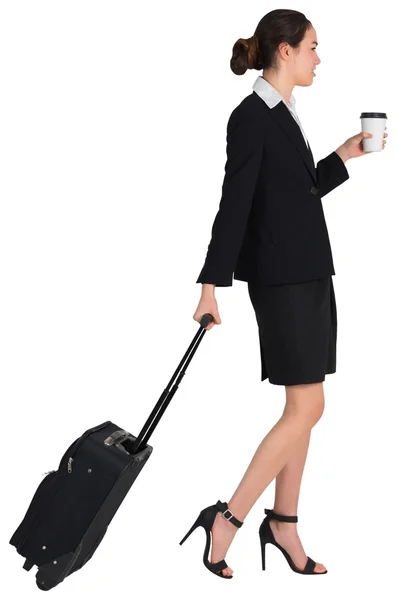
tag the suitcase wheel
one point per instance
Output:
(42, 586)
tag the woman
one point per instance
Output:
(270, 231)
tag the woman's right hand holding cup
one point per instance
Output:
(207, 304)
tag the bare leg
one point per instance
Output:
(288, 483)
(304, 407)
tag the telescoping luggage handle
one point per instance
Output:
(167, 394)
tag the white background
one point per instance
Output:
(113, 145)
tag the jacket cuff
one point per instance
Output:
(331, 171)
(342, 165)
(214, 280)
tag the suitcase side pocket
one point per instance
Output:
(33, 509)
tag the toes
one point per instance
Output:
(319, 568)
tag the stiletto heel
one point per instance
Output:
(206, 520)
(263, 546)
(266, 537)
(194, 526)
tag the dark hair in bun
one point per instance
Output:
(260, 50)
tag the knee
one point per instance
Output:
(306, 402)
(317, 412)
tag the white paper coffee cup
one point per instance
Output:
(375, 123)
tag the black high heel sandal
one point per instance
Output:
(266, 537)
(206, 519)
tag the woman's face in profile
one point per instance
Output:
(306, 59)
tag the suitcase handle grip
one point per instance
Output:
(116, 437)
(206, 319)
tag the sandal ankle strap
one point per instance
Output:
(285, 518)
(227, 513)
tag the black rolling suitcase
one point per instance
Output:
(73, 506)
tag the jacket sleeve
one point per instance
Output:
(331, 172)
(244, 156)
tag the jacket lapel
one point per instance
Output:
(286, 121)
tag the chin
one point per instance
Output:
(306, 82)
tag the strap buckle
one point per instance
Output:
(231, 514)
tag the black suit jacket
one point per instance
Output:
(270, 226)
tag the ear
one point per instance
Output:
(284, 49)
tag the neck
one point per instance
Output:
(283, 87)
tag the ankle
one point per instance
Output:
(292, 512)
(225, 527)
(282, 526)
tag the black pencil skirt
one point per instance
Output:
(297, 325)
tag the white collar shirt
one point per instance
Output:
(272, 97)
